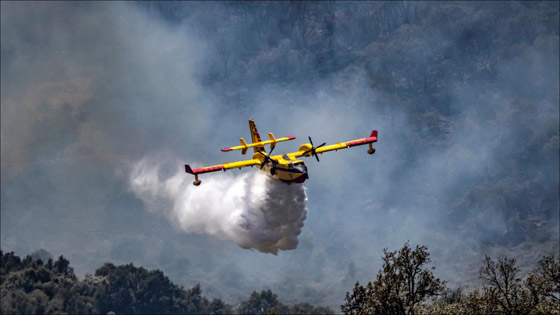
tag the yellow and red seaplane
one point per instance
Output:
(286, 167)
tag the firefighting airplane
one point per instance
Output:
(285, 167)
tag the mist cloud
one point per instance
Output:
(250, 209)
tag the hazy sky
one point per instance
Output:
(91, 89)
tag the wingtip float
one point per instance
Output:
(285, 167)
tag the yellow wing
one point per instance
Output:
(223, 167)
(306, 149)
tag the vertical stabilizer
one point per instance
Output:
(255, 137)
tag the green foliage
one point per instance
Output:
(504, 292)
(402, 283)
(131, 290)
(262, 303)
(504, 288)
(544, 282)
(30, 287)
(305, 308)
(267, 302)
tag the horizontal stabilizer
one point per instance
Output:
(244, 146)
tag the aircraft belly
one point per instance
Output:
(290, 177)
(287, 176)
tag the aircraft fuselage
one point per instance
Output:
(292, 172)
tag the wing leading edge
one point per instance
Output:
(220, 167)
(337, 146)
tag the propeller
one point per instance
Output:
(312, 150)
(268, 159)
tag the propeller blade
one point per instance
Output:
(313, 148)
(264, 160)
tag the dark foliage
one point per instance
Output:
(30, 287)
(504, 290)
(267, 302)
(403, 282)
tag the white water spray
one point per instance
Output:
(251, 209)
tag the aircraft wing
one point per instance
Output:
(221, 167)
(337, 146)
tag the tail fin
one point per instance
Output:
(255, 137)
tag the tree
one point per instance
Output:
(401, 284)
(62, 265)
(504, 288)
(543, 284)
(219, 307)
(504, 292)
(360, 302)
(306, 308)
(29, 287)
(546, 278)
(262, 303)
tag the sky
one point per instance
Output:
(92, 90)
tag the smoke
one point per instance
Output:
(467, 167)
(251, 209)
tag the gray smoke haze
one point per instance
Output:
(102, 104)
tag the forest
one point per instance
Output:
(33, 286)
(405, 285)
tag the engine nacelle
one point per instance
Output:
(305, 147)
